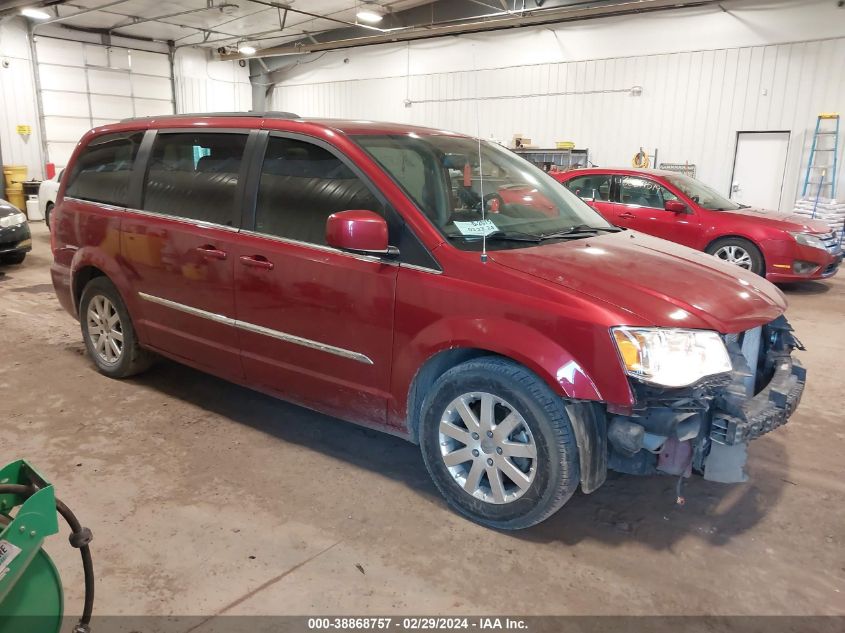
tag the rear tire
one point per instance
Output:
(13, 258)
(108, 332)
(498, 444)
(47, 213)
(739, 251)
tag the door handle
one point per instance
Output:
(210, 251)
(257, 261)
(626, 215)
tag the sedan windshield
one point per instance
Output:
(469, 190)
(701, 194)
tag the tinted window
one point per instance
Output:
(102, 171)
(643, 192)
(301, 186)
(195, 176)
(592, 187)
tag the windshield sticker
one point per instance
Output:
(477, 227)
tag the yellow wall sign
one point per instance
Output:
(24, 130)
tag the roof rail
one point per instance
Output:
(270, 114)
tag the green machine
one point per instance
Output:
(31, 597)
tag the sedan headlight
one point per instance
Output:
(808, 239)
(12, 220)
(671, 357)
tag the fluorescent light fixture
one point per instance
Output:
(246, 49)
(370, 13)
(35, 14)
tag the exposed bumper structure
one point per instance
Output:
(705, 428)
(750, 418)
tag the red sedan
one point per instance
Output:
(678, 208)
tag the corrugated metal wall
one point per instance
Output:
(691, 108)
(210, 86)
(17, 100)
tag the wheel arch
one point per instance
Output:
(738, 236)
(444, 349)
(427, 375)
(81, 278)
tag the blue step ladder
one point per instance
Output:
(825, 172)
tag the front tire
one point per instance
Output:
(13, 258)
(498, 444)
(740, 252)
(48, 211)
(108, 332)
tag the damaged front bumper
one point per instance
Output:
(704, 427)
(743, 419)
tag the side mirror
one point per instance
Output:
(675, 206)
(359, 231)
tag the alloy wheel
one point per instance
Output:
(735, 255)
(105, 330)
(487, 447)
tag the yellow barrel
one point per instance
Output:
(15, 175)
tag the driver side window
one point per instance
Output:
(643, 192)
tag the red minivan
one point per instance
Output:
(427, 284)
(780, 247)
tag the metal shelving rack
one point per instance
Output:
(563, 158)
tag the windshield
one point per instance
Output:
(701, 194)
(450, 178)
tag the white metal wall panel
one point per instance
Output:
(111, 108)
(84, 85)
(152, 107)
(152, 87)
(692, 105)
(18, 104)
(203, 85)
(150, 63)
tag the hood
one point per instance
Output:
(787, 222)
(7, 208)
(663, 283)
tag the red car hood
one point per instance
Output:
(789, 222)
(663, 283)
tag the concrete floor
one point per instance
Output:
(208, 498)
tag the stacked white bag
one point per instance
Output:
(827, 210)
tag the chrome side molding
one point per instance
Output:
(258, 329)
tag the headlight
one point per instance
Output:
(808, 239)
(671, 357)
(12, 220)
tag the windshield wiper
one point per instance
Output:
(502, 236)
(579, 230)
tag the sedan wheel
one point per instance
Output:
(487, 447)
(735, 255)
(105, 329)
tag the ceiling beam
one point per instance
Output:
(501, 21)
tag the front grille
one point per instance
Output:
(831, 243)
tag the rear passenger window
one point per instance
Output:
(195, 176)
(593, 187)
(103, 170)
(301, 185)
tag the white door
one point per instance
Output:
(759, 168)
(85, 85)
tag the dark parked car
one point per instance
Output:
(678, 208)
(15, 238)
(426, 284)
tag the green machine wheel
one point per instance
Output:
(31, 597)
